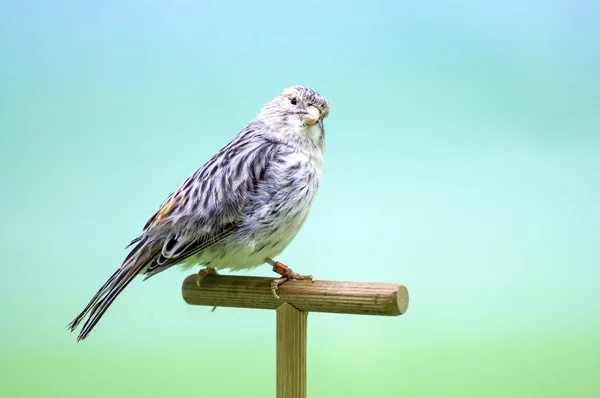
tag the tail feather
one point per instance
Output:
(133, 265)
(123, 279)
(99, 294)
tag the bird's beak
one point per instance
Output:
(311, 116)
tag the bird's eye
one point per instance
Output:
(294, 101)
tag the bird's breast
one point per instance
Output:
(273, 216)
(287, 196)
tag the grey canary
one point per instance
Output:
(240, 209)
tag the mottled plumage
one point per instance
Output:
(240, 209)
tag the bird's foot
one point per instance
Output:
(203, 272)
(286, 275)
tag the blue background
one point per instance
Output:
(462, 161)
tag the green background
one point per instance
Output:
(463, 152)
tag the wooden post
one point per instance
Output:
(298, 298)
(291, 352)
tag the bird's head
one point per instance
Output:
(296, 116)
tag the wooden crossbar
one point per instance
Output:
(298, 298)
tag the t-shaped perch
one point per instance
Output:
(298, 298)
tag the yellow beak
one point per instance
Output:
(311, 116)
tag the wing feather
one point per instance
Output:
(210, 204)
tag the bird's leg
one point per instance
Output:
(202, 273)
(286, 275)
(205, 271)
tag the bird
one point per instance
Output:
(240, 209)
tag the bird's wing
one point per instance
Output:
(210, 204)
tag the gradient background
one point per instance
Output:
(462, 160)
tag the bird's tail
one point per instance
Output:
(133, 265)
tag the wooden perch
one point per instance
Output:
(319, 296)
(298, 298)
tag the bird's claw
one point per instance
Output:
(286, 275)
(274, 285)
(203, 272)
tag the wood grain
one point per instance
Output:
(291, 352)
(319, 296)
